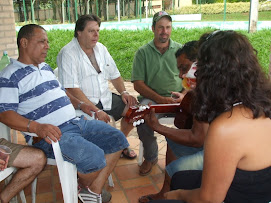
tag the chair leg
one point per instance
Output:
(140, 154)
(34, 190)
(22, 196)
(110, 181)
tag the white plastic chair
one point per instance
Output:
(7, 173)
(67, 175)
(162, 120)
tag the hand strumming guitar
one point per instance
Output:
(152, 120)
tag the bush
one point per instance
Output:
(217, 8)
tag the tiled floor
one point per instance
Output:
(129, 185)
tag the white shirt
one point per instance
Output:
(76, 71)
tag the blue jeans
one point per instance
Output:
(85, 142)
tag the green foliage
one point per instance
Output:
(216, 8)
(57, 40)
(123, 45)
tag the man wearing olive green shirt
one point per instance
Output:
(155, 76)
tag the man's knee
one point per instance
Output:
(39, 160)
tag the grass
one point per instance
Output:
(262, 16)
(123, 45)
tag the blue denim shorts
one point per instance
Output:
(188, 158)
(85, 143)
(190, 162)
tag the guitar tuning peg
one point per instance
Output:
(148, 107)
(142, 121)
(138, 122)
(134, 124)
(144, 107)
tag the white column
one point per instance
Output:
(253, 15)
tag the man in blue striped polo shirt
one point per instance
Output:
(33, 101)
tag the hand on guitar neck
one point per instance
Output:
(135, 114)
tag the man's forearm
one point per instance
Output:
(14, 120)
(146, 91)
(118, 84)
(76, 96)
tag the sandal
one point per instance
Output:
(146, 198)
(127, 153)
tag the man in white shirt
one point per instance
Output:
(84, 68)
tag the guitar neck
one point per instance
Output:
(134, 113)
(166, 108)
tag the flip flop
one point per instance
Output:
(128, 153)
(146, 198)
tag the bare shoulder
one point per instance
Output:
(231, 128)
(240, 136)
(232, 121)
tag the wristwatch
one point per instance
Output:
(124, 92)
(79, 105)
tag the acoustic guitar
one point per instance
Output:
(183, 118)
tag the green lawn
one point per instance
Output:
(122, 45)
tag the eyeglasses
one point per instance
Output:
(212, 34)
(218, 31)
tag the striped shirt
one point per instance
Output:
(76, 71)
(34, 93)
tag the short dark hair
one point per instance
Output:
(190, 49)
(82, 21)
(27, 32)
(228, 72)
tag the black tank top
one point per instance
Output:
(250, 187)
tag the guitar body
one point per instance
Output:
(183, 118)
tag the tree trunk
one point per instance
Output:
(135, 7)
(270, 63)
(21, 14)
(36, 6)
(54, 9)
(104, 10)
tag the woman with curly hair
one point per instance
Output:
(233, 94)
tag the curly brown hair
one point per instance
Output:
(228, 72)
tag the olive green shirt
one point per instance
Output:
(158, 71)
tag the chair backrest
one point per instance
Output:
(166, 120)
(56, 72)
(5, 132)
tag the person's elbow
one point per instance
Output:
(197, 141)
